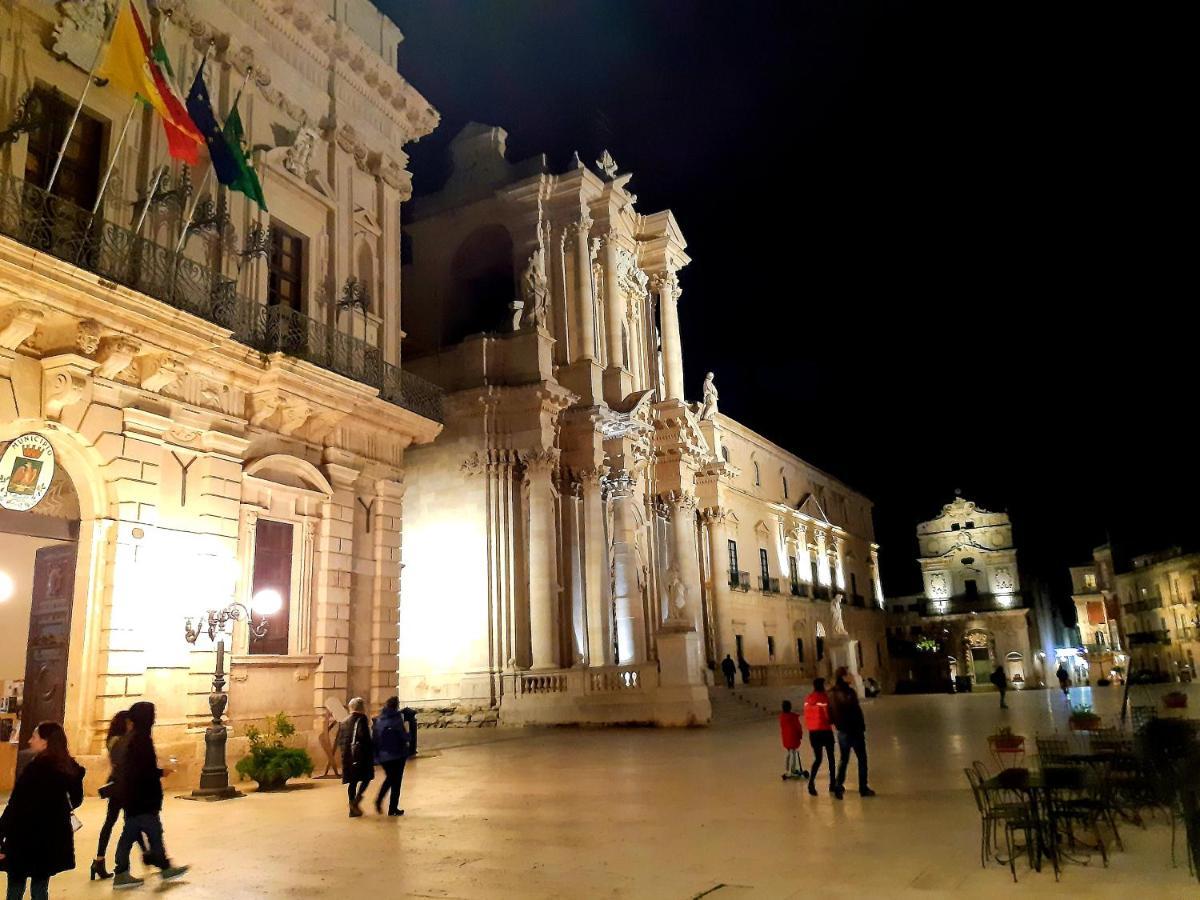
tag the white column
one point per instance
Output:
(583, 287)
(543, 559)
(718, 552)
(627, 599)
(823, 574)
(668, 306)
(685, 559)
(595, 572)
(614, 304)
(875, 579)
(803, 558)
(839, 566)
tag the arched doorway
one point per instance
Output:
(979, 655)
(51, 553)
(1015, 663)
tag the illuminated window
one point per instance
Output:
(273, 545)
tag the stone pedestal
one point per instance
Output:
(843, 651)
(679, 655)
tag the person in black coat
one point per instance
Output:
(36, 837)
(358, 755)
(728, 669)
(392, 749)
(139, 792)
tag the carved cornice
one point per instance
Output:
(115, 355)
(158, 370)
(22, 321)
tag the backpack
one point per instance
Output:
(393, 739)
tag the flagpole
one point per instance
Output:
(82, 96)
(192, 211)
(137, 229)
(112, 163)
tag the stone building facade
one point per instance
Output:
(227, 419)
(973, 606)
(1100, 653)
(567, 534)
(1159, 597)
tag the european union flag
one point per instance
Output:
(199, 107)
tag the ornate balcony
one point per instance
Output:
(60, 229)
(739, 581)
(800, 589)
(768, 585)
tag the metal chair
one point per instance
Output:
(993, 811)
(1052, 751)
(1072, 799)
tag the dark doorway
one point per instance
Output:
(971, 589)
(738, 639)
(49, 638)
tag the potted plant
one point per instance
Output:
(1175, 700)
(1004, 741)
(1083, 718)
(271, 761)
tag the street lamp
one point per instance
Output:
(214, 777)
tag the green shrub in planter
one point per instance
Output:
(271, 761)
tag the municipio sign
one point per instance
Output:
(25, 472)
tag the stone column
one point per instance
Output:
(595, 571)
(332, 584)
(824, 577)
(668, 300)
(685, 559)
(543, 558)
(839, 564)
(714, 523)
(583, 287)
(386, 531)
(875, 579)
(614, 304)
(627, 599)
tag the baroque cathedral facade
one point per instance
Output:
(582, 543)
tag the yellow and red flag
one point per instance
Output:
(130, 65)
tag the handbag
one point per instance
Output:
(106, 790)
(76, 824)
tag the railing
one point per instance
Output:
(739, 581)
(776, 673)
(967, 603)
(768, 585)
(1153, 636)
(857, 600)
(63, 230)
(614, 679)
(821, 592)
(799, 589)
(547, 683)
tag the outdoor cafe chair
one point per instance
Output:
(1072, 799)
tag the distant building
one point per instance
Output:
(973, 606)
(1100, 653)
(1158, 613)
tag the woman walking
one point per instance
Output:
(119, 730)
(140, 793)
(37, 839)
(358, 755)
(392, 748)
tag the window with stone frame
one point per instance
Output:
(274, 546)
(800, 650)
(771, 647)
(733, 559)
(285, 279)
(764, 566)
(78, 179)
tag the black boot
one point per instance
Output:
(98, 871)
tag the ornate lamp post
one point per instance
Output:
(214, 777)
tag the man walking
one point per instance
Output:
(847, 716)
(820, 734)
(392, 747)
(1064, 679)
(728, 669)
(1001, 682)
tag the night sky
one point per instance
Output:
(935, 245)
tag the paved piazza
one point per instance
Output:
(647, 813)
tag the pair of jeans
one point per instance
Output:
(822, 742)
(848, 741)
(393, 777)
(39, 888)
(355, 789)
(147, 824)
(110, 819)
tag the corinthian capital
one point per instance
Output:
(540, 460)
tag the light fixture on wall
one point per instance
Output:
(267, 602)
(7, 588)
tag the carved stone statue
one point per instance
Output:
(677, 595)
(835, 609)
(535, 288)
(78, 35)
(301, 151)
(709, 410)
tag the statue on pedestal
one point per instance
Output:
(676, 598)
(835, 609)
(535, 288)
(709, 409)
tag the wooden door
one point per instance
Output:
(49, 637)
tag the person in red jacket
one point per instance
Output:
(820, 733)
(790, 731)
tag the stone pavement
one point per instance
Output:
(501, 813)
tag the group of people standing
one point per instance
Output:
(37, 827)
(824, 711)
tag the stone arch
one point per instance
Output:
(482, 284)
(290, 471)
(82, 465)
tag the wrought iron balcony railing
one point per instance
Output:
(821, 592)
(739, 581)
(63, 230)
(768, 585)
(800, 589)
